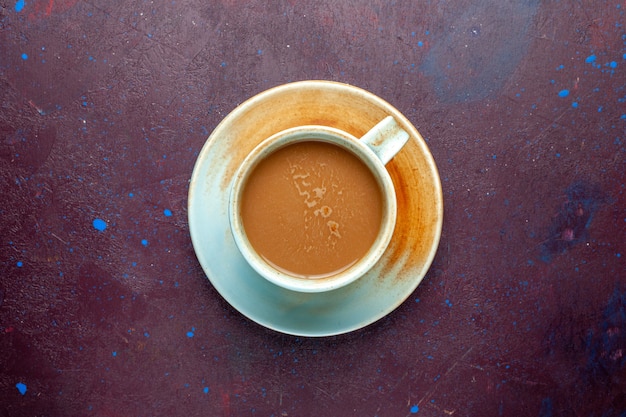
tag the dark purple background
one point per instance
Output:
(106, 104)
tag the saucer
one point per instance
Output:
(373, 296)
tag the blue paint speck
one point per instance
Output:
(99, 224)
(19, 264)
(114, 354)
(144, 242)
(613, 64)
(206, 390)
(167, 212)
(21, 387)
(563, 93)
(146, 334)
(24, 56)
(420, 44)
(590, 59)
(575, 104)
(190, 334)
(19, 5)
(414, 409)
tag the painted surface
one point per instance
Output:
(105, 311)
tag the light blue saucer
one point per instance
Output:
(382, 289)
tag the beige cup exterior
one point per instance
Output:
(375, 149)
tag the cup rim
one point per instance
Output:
(323, 134)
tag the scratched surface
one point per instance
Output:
(105, 311)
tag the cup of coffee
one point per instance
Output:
(313, 208)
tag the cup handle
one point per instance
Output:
(386, 139)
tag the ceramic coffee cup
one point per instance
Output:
(330, 210)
